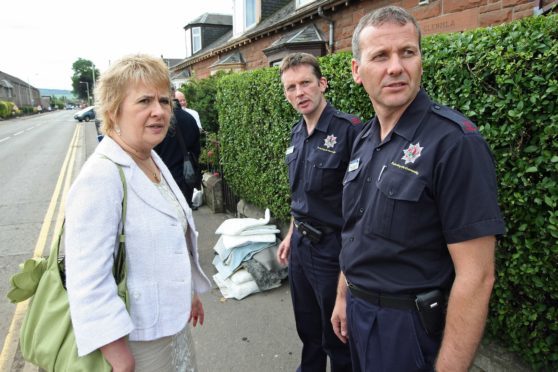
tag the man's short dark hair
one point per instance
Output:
(297, 59)
(388, 14)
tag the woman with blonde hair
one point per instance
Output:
(164, 276)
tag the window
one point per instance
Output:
(188, 37)
(301, 3)
(196, 39)
(250, 13)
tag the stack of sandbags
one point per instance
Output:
(245, 257)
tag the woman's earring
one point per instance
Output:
(117, 129)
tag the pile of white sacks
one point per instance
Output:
(245, 257)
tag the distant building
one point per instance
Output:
(18, 91)
(261, 32)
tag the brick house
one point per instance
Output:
(18, 91)
(261, 32)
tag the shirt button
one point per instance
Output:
(321, 165)
(137, 295)
(351, 239)
(390, 193)
(361, 210)
(368, 179)
(378, 148)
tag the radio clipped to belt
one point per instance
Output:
(307, 230)
(431, 307)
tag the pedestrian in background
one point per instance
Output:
(183, 129)
(184, 104)
(421, 216)
(317, 158)
(164, 276)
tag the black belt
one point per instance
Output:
(323, 228)
(402, 302)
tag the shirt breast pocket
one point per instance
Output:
(326, 175)
(290, 161)
(396, 209)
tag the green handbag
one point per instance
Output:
(47, 338)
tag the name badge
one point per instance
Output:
(289, 150)
(353, 165)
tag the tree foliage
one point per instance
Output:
(84, 70)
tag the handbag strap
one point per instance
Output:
(119, 268)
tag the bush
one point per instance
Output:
(4, 111)
(200, 95)
(506, 80)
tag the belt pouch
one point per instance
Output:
(431, 309)
(313, 234)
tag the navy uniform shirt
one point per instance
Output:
(430, 183)
(317, 164)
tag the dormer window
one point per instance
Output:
(247, 13)
(196, 39)
(250, 13)
(301, 3)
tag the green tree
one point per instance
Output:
(84, 70)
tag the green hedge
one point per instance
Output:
(200, 95)
(506, 80)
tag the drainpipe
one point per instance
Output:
(330, 22)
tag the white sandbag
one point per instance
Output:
(233, 226)
(256, 230)
(231, 290)
(241, 276)
(233, 241)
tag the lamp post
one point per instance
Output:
(93, 72)
(87, 86)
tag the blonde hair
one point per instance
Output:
(114, 83)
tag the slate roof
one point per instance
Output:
(231, 59)
(211, 19)
(286, 16)
(305, 34)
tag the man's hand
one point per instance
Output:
(284, 248)
(468, 302)
(339, 314)
(196, 313)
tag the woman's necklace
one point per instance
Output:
(147, 169)
(141, 160)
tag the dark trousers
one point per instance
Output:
(313, 277)
(388, 340)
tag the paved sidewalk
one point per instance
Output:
(256, 333)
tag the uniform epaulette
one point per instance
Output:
(354, 120)
(463, 122)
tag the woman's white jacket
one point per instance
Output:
(163, 264)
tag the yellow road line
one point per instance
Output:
(12, 338)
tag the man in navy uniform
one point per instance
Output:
(317, 159)
(421, 216)
(183, 129)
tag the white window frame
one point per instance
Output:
(301, 3)
(254, 12)
(196, 39)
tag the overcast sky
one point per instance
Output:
(40, 40)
